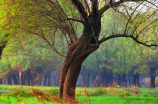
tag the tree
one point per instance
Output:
(55, 22)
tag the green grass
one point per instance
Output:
(12, 94)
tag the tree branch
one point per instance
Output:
(74, 20)
(106, 7)
(115, 4)
(81, 9)
(94, 6)
(128, 36)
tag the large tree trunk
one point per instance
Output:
(77, 52)
(71, 69)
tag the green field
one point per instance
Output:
(12, 94)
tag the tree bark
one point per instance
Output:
(15, 80)
(1, 80)
(71, 69)
(97, 79)
(23, 79)
(78, 51)
(28, 77)
(9, 80)
(86, 77)
(45, 80)
(124, 79)
(136, 79)
(152, 74)
(48, 79)
(20, 77)
(39, 76)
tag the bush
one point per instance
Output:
(21, 93)
(98, 92)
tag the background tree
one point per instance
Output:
(56, 26)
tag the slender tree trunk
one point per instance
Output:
(152, 74)
(97, 79)
(28, 77)
(45, 80)
(86, 78)
(49, 79)
(15, 80)
(23, 78)
(20, 77)
(1, 80)
(104, 79)
(134, 79)
(39, 76)
(124, 79)
(57, 81)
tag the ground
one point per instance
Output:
(12, 94)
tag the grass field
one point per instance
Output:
(12, 94)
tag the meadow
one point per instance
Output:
(16, 94)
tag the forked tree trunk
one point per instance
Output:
(71, 69)
(77, 52)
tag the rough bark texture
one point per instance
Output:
(76, 54)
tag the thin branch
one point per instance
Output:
(74, 20)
